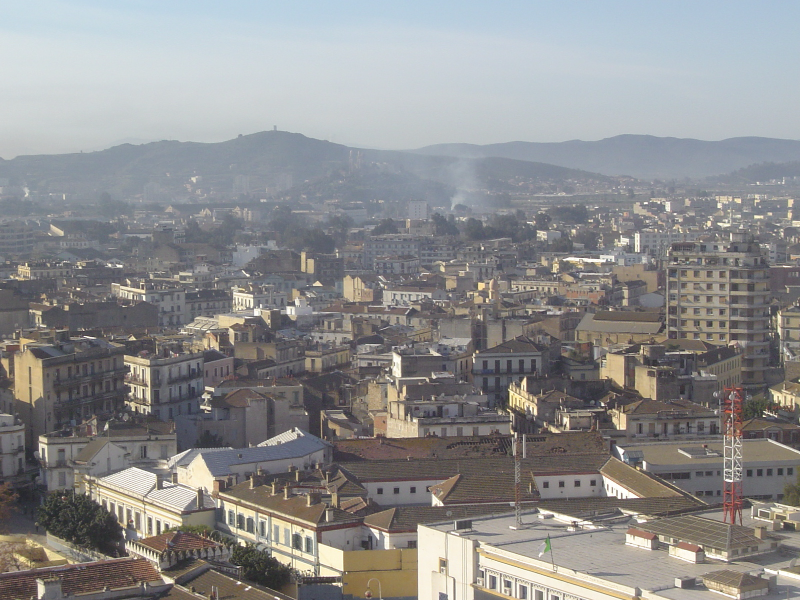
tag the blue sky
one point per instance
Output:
(83, 75)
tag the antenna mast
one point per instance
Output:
(731, 405)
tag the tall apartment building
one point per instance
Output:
(166, 384)
(69, 380)
(718, 291)
(16, 239)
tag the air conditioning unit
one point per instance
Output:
(479, 581)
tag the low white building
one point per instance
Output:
(146, 505)
(696, 466)
(68, 456)
(12, 447)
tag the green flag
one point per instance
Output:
(545, 547)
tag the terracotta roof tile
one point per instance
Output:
(80, 578)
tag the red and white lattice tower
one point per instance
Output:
(731, 405)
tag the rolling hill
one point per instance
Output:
(640, 156)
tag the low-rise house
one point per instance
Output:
(294, 450)
(124, 577)
(168, 549)
(496, 368)
(146, 505)
(605, 328)
(768, 466)
(99, 448)
(665, 419)
(293, 528)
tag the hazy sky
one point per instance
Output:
(83, 75)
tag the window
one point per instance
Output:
(577, 483)
(769, 472)
(545, 484)
(413, 489)
(443, 568)
(380, 491)
(251, 526)
(240, 521)
(492, 580)
(396, 490)
(560, 484)
(62, 479)
(309, 545)
(287, 538)
(749, 472)
(276, 534)
(790, 470)
(759, 472)
(593, 482)
(297, 541)
(780, 470)
(262, 529)
(523, 592)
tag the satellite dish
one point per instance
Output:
(449, 513)
(126, 417)
(36, 455)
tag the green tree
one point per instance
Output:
(260, 567)
(754, 407)
(444, 226)
(80, 520)
(385, 226)
(791, 492)
(210, 440)
(542, 220)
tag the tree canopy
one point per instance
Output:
(259, 567)
(80, 520)
(385, 226)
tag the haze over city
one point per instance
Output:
(407, 301)
(84, 75)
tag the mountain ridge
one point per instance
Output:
(640, 156)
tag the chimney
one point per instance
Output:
(175, 477)
(760, 532)
(219, 486)
(329, 515)
(287, 492)
(312, 498)
(159, 483)
(49, 589)
(297, 475)
(335, 499)
(200, 499)
(274, 488)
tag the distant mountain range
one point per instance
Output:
(640, 156)
(320, 167)
(264, 157)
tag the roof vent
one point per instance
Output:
(684, 582)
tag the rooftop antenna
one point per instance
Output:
(731, 402)
(518, 448)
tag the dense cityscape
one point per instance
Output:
(399, 301)
(297, 389)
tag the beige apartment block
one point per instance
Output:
(718, 291)
(67, 381)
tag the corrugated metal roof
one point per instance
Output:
(219, 463)
(135, 480)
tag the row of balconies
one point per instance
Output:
(64, 382)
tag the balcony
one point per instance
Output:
(119, 393)
(67, 382)
(193, 374)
